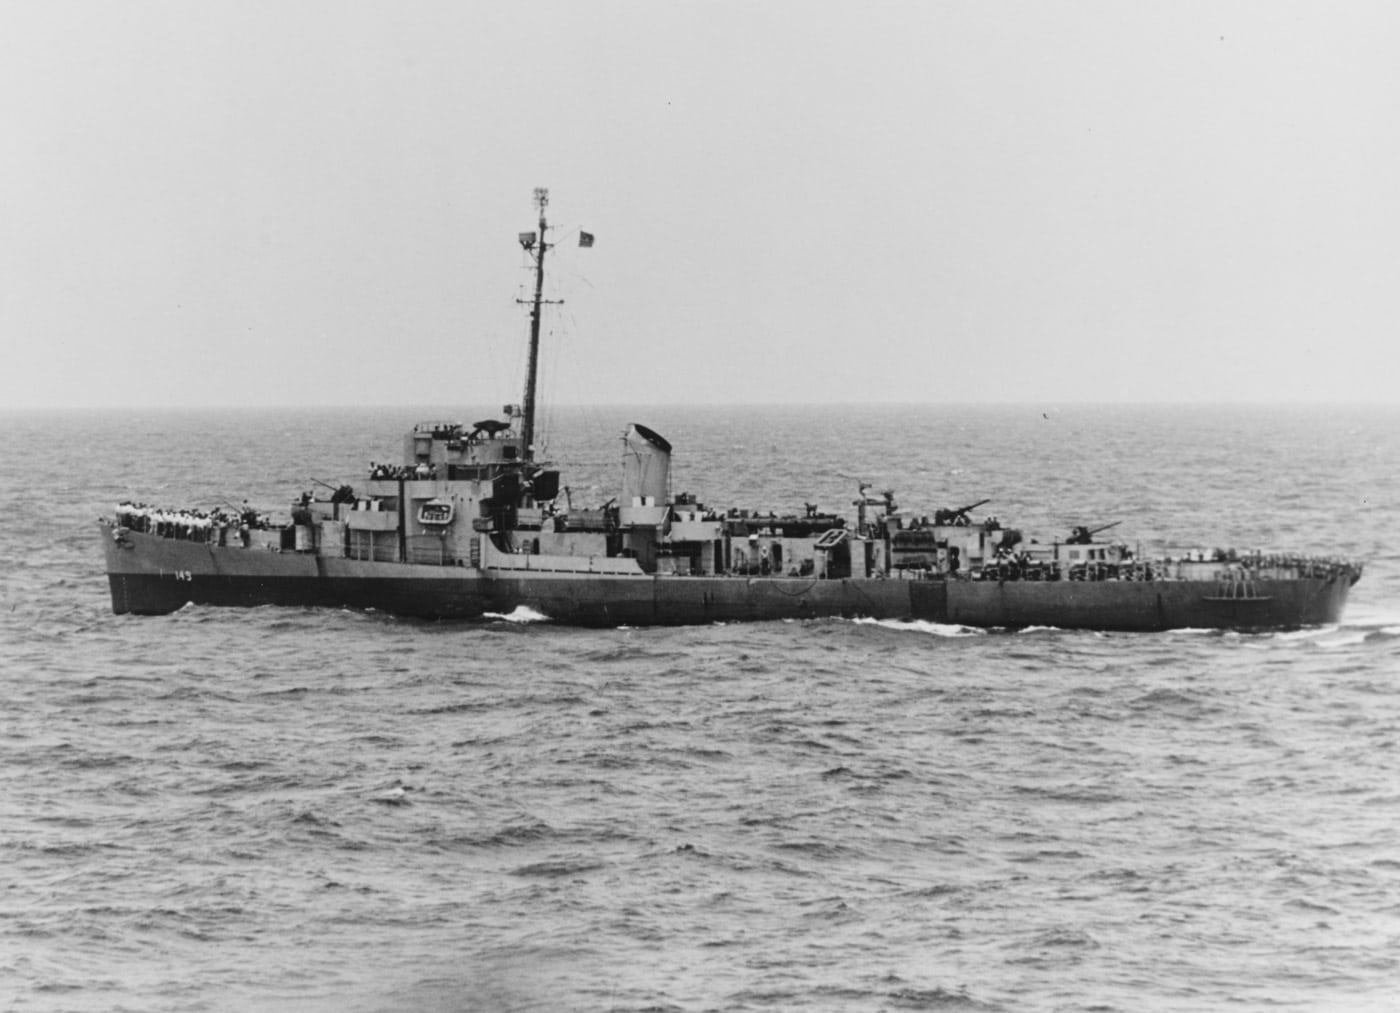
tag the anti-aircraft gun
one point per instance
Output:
(958, 516)
(1083, 534)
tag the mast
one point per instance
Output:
(537, 250)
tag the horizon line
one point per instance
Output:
(708, 405)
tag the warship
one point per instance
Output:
(471, 525)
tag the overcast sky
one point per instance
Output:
(317, 203)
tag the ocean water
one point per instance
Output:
(324, 810)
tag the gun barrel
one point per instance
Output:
(972, 506)
(1105, 527)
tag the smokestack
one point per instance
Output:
(646, 465)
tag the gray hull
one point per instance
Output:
(151, 575)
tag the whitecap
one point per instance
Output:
(522, 614)
(923, 626)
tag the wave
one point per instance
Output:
(1345, 639)
(1387, 629)
(1310, 633)
(555, 868)
(522, 614)
(1348, 634)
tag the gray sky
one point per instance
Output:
(317, 203)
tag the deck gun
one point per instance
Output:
(339, 493)
(958, 516)
(1083, 535)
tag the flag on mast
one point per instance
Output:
(585, 238)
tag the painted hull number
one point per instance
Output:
(183, 575)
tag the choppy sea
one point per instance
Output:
(281, 809)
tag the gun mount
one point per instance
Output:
(1083, 534)
(958, 515)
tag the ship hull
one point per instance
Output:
(1146, 605)
(151, 575)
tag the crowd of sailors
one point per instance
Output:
(187, 525)
(1030, 569)
(404, 472)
